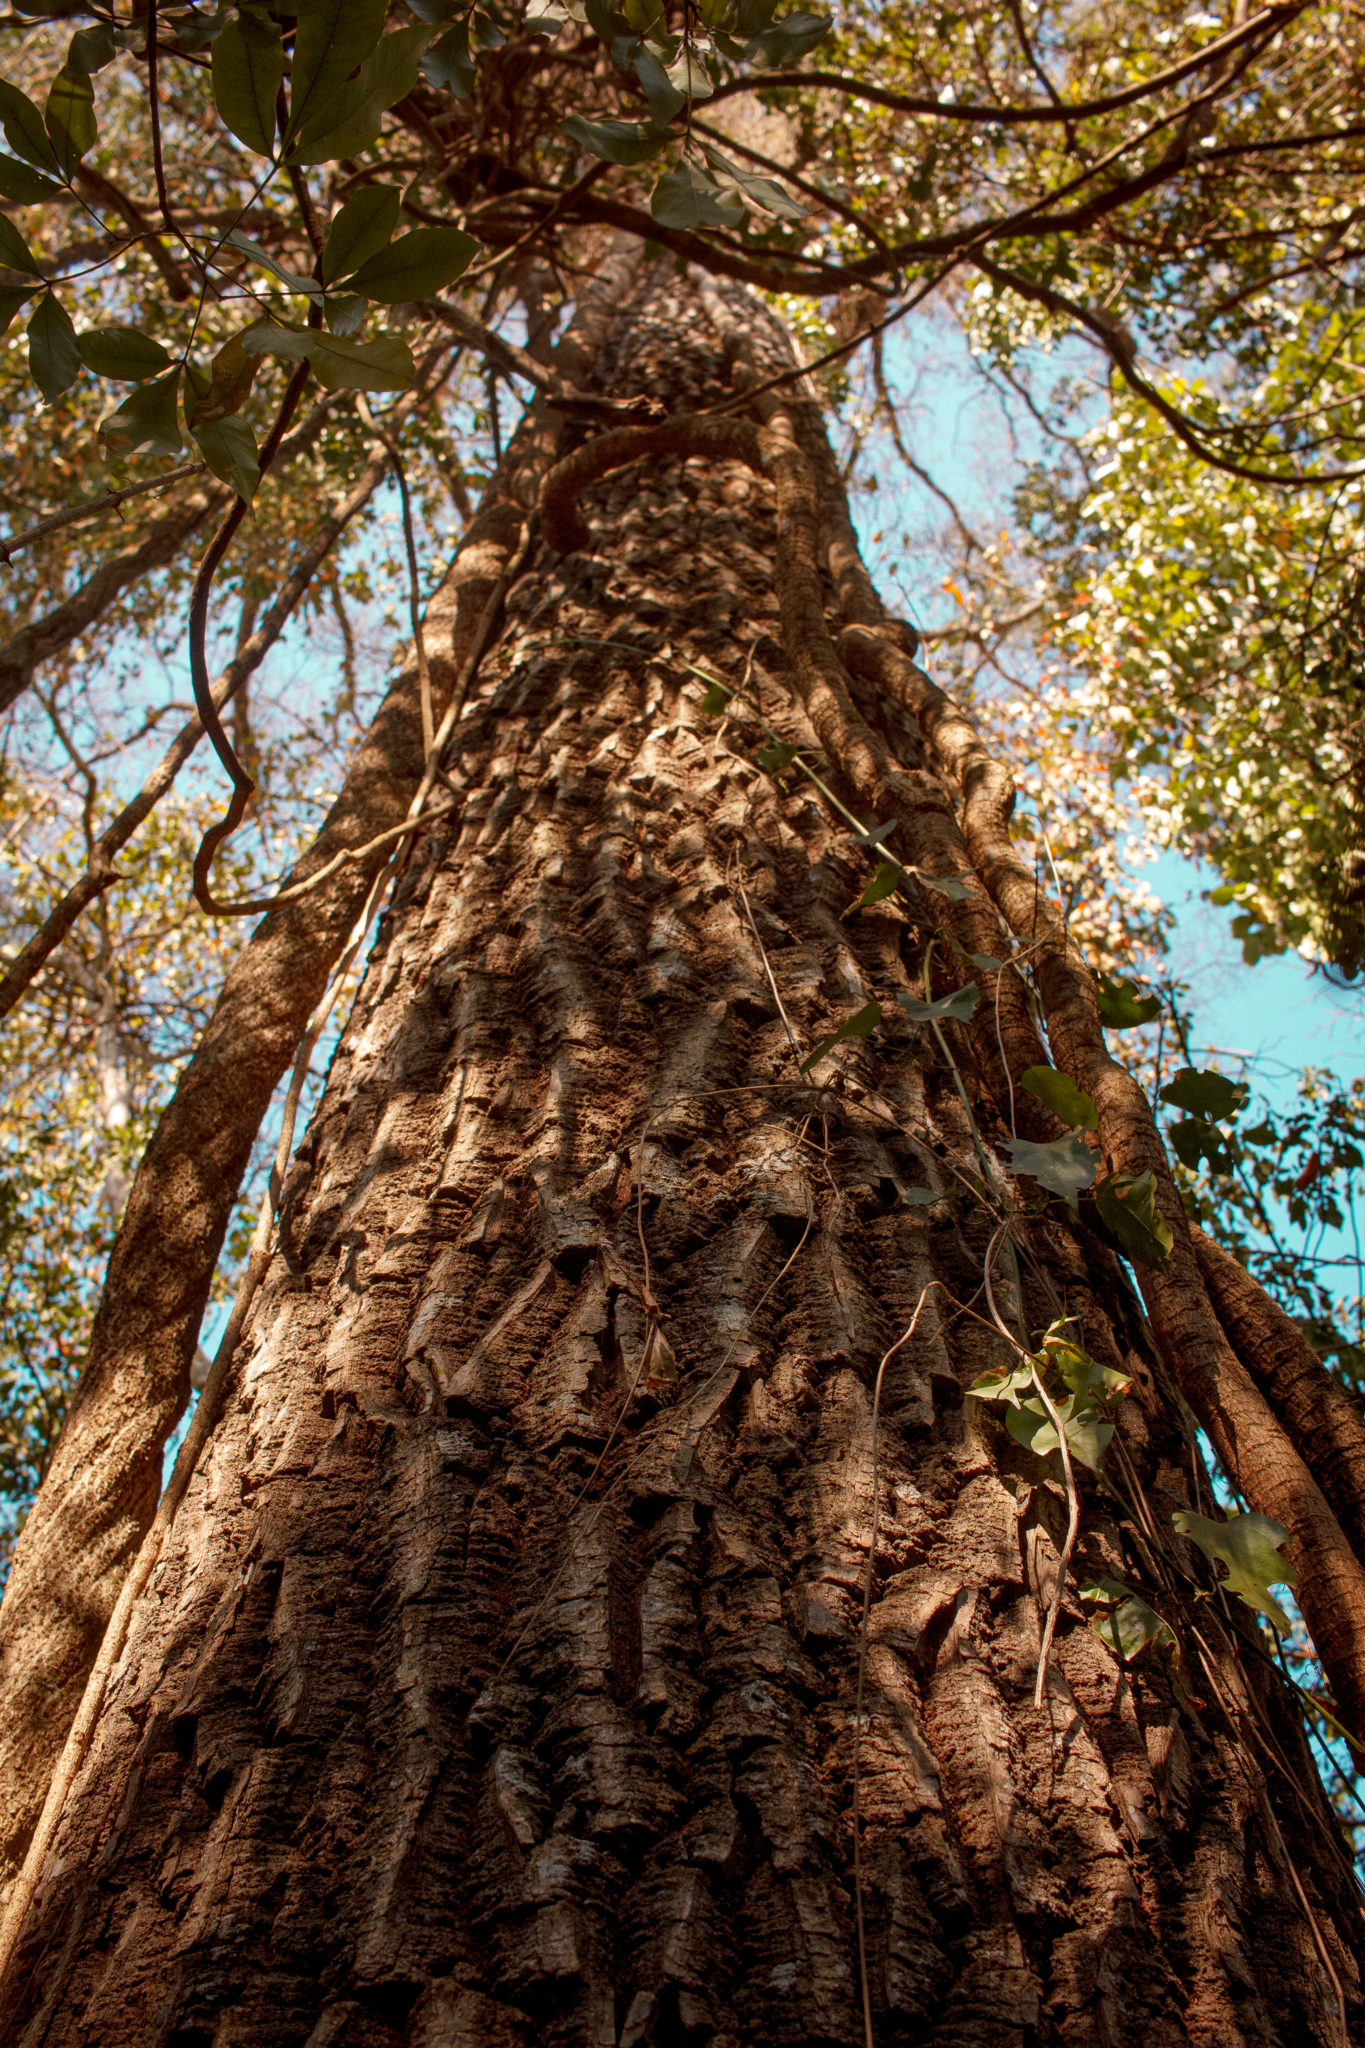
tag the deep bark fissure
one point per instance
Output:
(432, 1730)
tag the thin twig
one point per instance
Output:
(858, 1899)
(93, 507)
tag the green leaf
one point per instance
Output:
(777, 756)
(229, 448)
(248, 67)
(687, 198)
(348, 121)
(1249, 1545)
(664, 98)
(717, 699)
(1129, 1207)
(1064, 1167)
(90, 49)
(70, 117)
(616, 142)
(765, 192)
(416, 266)
(1003, 1386)
(1192, 1140)
(12, 299)
(24, 130)
(384, 364)
(122, 353)
(884, 881)
(334, 39)
(292, 280)
(447, 64)
(961, 1005)
(860, 1025)
(53, 355)
(231, 375)
(1132, 1625)
(788, 41)
(148, 418)
(1205, 1093)
(344, 313)
(15, 253)
(1121, 1007)
(362, 227)
(1061, 1096)
(920, 1198)
(943, 885)
(26, 187)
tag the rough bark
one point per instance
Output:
(497, 1683)
(100, 1490)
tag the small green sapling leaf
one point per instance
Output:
(1061, 1095)
(1249, 1545)
(860, 1025)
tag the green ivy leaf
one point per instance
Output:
(776, 756)
(960, 1005)
(14, 250)
(229, 448)
(53, 354)
(1205, 1094)
(860, 1025)
(717, 699)
(1192, 1140)
(362, 227)
(884, 881)
(416, 266)
(23, 185)
(1121, 1007)
(616, 142)
(148, 418)
(1064, 1167)
(1061, 1096)
(1129, 1207)
(1003, 1386)
(447, 65)
(1132, 1625)
(124, 354)
(350, 120)
(1249, 1545)
(1087, 1437)
(24, 129)
(70, 117)
(943, 885)
(248, 68)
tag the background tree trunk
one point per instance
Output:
(497, 1684)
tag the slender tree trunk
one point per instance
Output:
(500, 1680)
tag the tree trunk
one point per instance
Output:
(500, 1680)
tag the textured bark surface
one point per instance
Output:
(497, 1683)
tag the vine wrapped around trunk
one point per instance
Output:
(497, 1683)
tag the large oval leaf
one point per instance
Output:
(363, 227)
(416, 265)
(24, 185)
(24, 130)
(248, 67)
(334, 38)
(148, 418)
(123, 353)
(53, 355)
(70, 117)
